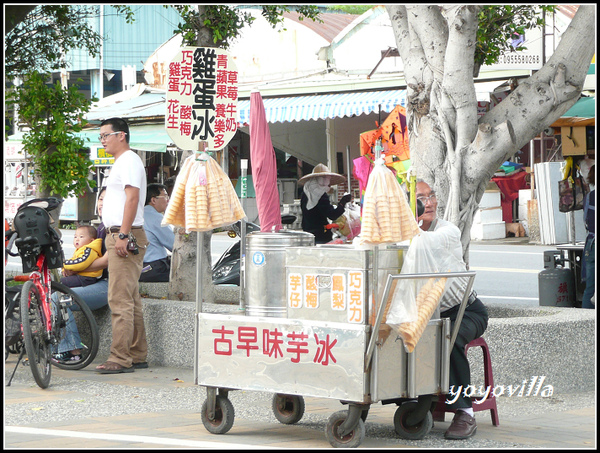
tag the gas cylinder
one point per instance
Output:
(555, 282)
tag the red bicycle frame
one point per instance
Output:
(43, 284)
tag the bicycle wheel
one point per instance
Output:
(35, 335)
(75, 329)
(13, 337)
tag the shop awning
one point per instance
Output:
(144, 105)
(583, 108)
(146, 137)
(305, 108)
(583, 113)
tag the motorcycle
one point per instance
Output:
(226, 270)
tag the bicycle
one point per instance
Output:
(51, 313)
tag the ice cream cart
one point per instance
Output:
(312, 326)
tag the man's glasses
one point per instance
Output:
(166, 197)
(105, 136)
(424, 200)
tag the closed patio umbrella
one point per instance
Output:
(264, 166)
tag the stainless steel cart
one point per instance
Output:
(329, 345)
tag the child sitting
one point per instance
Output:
(87, 249)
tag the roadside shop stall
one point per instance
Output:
(311, 318)
(355, 322)
(562, 187)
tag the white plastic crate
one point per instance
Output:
(485, 231)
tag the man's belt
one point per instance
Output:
(117, 229)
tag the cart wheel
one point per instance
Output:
(364, 415)
(414, 432)
(224, 415)
(350, 440)
(288, 409)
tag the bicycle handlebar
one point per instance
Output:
(12, 238)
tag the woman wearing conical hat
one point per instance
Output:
(317, 210)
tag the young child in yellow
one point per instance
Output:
(87, 249)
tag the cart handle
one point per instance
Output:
(388, 284)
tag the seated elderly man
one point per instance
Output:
(157, 265)
(475, 319)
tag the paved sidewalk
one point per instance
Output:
(160, 408)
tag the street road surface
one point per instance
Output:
(506, 273)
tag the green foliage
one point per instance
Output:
(125, 11)
(224, 22)
(52, 115)
(274, 13)
(349, 9)
(498, 24)
(42, 39)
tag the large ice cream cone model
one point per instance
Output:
(203, 197)
(427, 301)
(386, 215)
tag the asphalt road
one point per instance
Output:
(508, 272)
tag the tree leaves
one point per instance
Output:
(52, 115)
(224, 22)
(45, 35)
(499, 24)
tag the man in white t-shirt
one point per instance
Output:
(126, 242)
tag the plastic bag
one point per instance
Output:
(175, 212)
(416, 300)
(571, 190)
(209, 199)
(349, 222)
(386, 214)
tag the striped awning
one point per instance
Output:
(304, 108)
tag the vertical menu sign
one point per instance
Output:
(202, 94)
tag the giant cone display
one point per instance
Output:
(203, 197)
(386, 215)
(427, 301)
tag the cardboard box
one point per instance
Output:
(573, 141)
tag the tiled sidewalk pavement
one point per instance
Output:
(160, 408)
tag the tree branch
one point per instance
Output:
(547, 95)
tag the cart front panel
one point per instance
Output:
(282, 355)
(335, 282)
(398, 374)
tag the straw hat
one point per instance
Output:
(322, 170)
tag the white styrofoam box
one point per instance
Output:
(483, 231)
(490, 199)
(524, 197)
(525, 224)
(489, 215)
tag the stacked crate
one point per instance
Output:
(487, 221)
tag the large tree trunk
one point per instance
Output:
(450, 149)
(184, 278)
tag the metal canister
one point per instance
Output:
(555, 282)
(265, 293)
